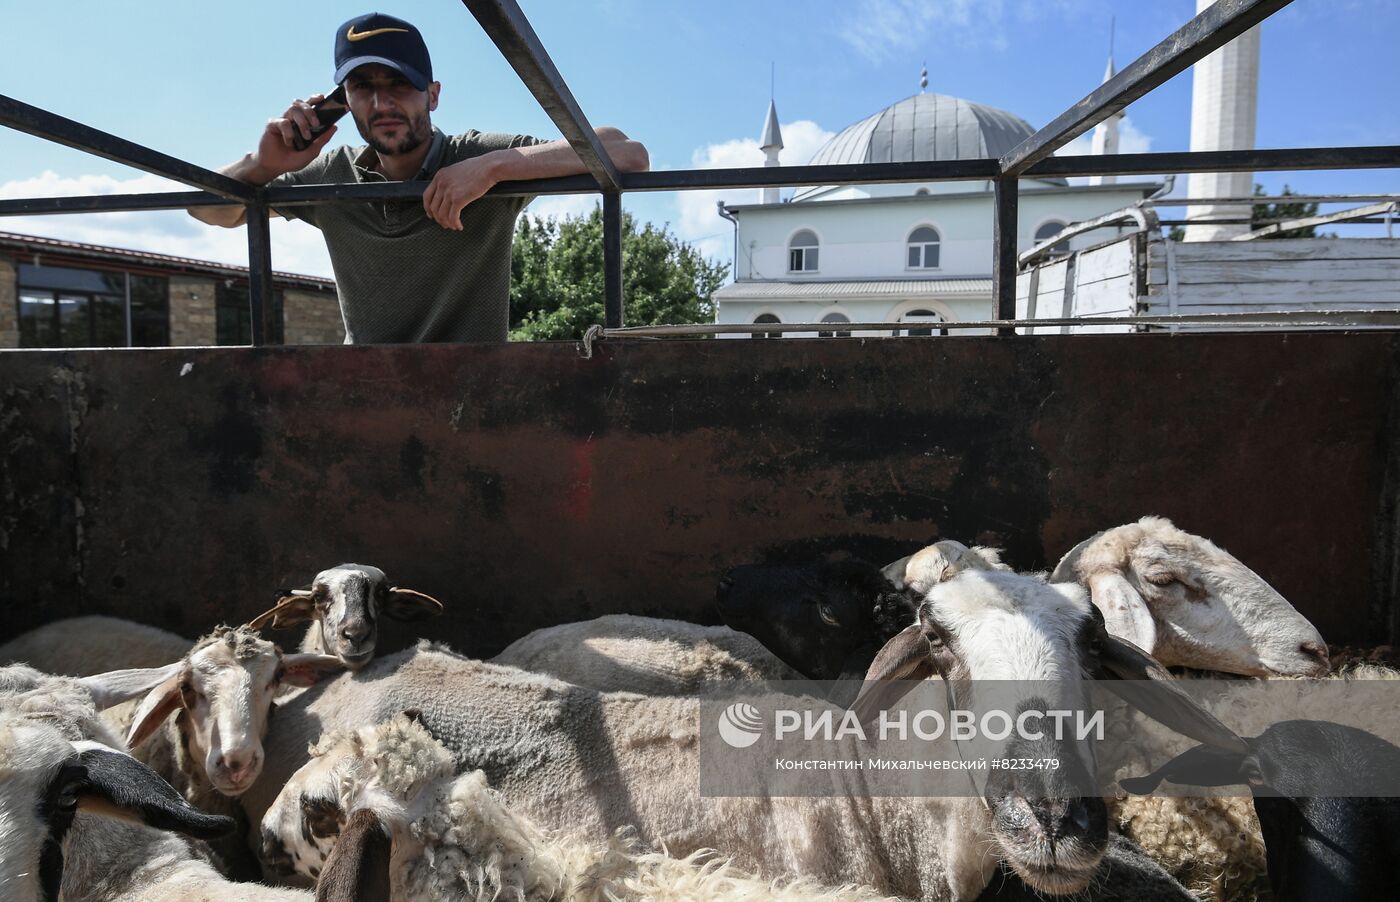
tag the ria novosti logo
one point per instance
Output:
(740, 725)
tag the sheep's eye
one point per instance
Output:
(827, 615)
(1160, 579)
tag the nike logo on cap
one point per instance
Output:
(354, 35)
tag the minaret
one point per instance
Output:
(1106, 132)
(770, 144)
(1224, 98)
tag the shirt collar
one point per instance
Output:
(367, 158)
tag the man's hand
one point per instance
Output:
(456, 186)
(275, 153)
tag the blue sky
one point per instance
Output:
(690, 79)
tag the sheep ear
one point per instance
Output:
(117, 686)
(1064, 570)
(158, 704)
(294, 607)
(1200, 766)
(905, 658)
(1125, 613)
(358, 867)
(895, 572)
(1137, 678)
(308, 670)
(408, 605)
(117, 785)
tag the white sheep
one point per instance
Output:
(79, 819)
(624, 653)
(82, 646)
(220, 694)
(415, 830)
(571, 758)
(1190, 603)
(342, 606)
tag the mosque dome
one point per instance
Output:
(927, 127)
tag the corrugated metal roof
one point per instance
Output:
(36, 243)
(854, 289)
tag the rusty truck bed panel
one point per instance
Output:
(525, 485)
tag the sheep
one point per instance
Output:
(1214, 844)
(1342, 846)
(221, 693)
(343, 606)
(825, 620)
(623, 653)
(415, 830)
(569, 757)
(1190, 603)
(83, 646)
(82, 821)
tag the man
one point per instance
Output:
(407, 271)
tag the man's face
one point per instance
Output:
(391, 113)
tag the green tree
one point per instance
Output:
(557, 277)
(1282, 209)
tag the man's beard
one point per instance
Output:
(420, 129)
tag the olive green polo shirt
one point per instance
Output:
(400, 275)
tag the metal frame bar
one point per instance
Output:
(510, 30)
(1349, 318)
(1215, 27)
(507, 26)
(260, 273)
(1373, 157)
(52, 127)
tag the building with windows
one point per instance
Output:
(63, 294)
(915, 253)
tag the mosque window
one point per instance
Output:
(802, 252)
(923, 248)
(1050, 230)
(923, 316)
(835, 318)
(766, 318)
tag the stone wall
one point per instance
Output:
(192, 318)
(9, 305)
(311, 318)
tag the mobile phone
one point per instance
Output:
(331, 108)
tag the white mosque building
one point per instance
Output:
(915, 253)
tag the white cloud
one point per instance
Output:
(560, 206)
(296, 246)
(698, 220)
(878, 28)
(1130, 140)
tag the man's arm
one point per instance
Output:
(461, 183)
(274, 156)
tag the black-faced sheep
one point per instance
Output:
(1319, 847)
(343, 606)
(826, 620)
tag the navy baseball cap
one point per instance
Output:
(377, 38)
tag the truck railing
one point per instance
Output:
(507, 26)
